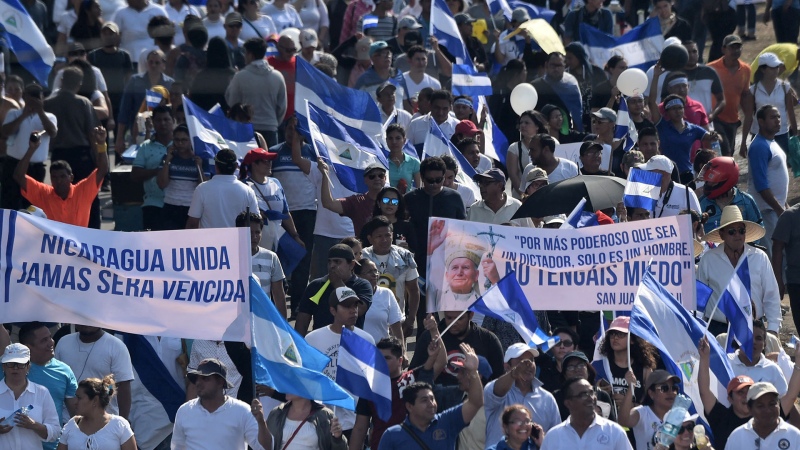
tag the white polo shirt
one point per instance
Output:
(231, 426)
(764, 370)
(784, 437)
(601, 434)
(419, 128)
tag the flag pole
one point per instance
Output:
(629, 350)
(711, 316)
(454, 321)
(252, 332)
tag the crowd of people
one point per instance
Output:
(471, 382)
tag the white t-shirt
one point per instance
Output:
(270, 197)
(467, 196)
(645, 430)
(98, 75)
(383, 312)
(509, 47)
(785, 436)
(177, 16)
(326, 341)
(263, 25)
(218, 201)
(267, 268)
(328, 223)
(314, 15)
(427, 81)
(564, 170)
(111, 437)
(17, 143)
(231, 426)
(216, 28)
(676, 202)
(133, 26)
(66, 21)
(107, 355)
(283, 18)
(419, 128)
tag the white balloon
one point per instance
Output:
(524, 98)
(632, 82)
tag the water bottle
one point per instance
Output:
(10, 421)
(673, 421)
(700, 438)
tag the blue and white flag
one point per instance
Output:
(643, 189)
(348, 150)
(660, 319)
(641, 46)
(704, 292)
(735, 304)
(792, 342)
(444, 27)
(495, 142)
(495, 6)
(507, 302)
(467, 81)
(26, 40)
(625, 128)
(579, 218)
(369, 21)
(362, 370)
(436, 144)
(289, 251)
(283, 360)
(533, 11)
(599, 361)
(211, 133)
(152, 98)
(355, 108)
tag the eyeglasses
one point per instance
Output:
(584, 394)
(390, 201)
(376, 175)
(689, 427)
(288, 49)
(593, 153)
(565, 343)
(733, 231)
(234, 25)
(434, 180)
(664, 388)
(15, 365)
(575, 368)
(520, 423)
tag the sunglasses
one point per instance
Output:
(390, 201)
(565, 343)
(234, 25)
(684, 428)
(733, 231)
(664, 388)
(15, 365)
(376, 175)
(434, 180)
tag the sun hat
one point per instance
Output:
(732, 214)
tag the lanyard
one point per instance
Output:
(666, 197)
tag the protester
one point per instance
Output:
(661, 389)
(766, 426)
(519, 430)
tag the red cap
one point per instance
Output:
(467, 128)
(258, 154)
(740, 382)
(603, 218)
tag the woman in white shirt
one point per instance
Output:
(282, 14)
(177, 10)
(92, 427)
(314, 14)
(384, 314)
(254, 24)
(214, 22)
(768, 89)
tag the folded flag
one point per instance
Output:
(704, 292)
(362, 370)
(436, 144)
(467, 81)
(495, 142)
(579, 218)
(369, 21)
(643, 189)
(625, 128)
(152, 98)
(735, 304)
(443, 26)
(640, 46)
(283, 360)
(211, 133)
(289, 251)
(26, 40)
(506, 301)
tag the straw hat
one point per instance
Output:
(698, 248)
(732, 214)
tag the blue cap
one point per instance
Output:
(377, 46)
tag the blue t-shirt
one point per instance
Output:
(150, 156)
(678, 146)
(441, 434)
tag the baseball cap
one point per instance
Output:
(586, 146)
(386, 84)
(409, 22)
(731, 39)
(757, 390)
(520, 15)
(341, 251)
(537, 174)
(232, 18)
(558, 218)
(111, 26)
(517, 350)
(603, 218)
(660, 377)
(463, 18)
(209, 367)
(467, 127)
(490, 175)
(621, 324)
(16, 353)
(579, 355)
(76, 47)
(258, 154)
(605, 114)
(363, 49)
(769, 59)
(377, 46)
(308, 38)
(374, 166)
(658, 162)
(740, 382)
(345, 293)
(484, 368)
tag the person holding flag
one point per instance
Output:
(645, 420)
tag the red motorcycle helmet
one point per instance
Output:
(720, 175)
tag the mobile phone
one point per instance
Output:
(35, 136)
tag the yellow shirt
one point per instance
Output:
(786, 52)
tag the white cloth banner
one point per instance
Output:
(185, 284)
(592, 268)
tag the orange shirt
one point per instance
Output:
(73, 210)
(733, 85)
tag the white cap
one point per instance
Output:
(769, 59)
(517, 350)
(308, 38)
(658, 162)
(16, 353)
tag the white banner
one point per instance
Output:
(186, 283)
(594, 268)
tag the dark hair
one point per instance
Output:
(32, 89)
(158, 22)
(414, 49)
(95, 387)
(217, 55)
(538, 119)
(672, 97)
(411, 391)
(688, 42)
(81, 30)
(224, 167)
(425, 92)
(360, 264)
(243, 110)
(72, 78)
(758, 323)
(442, 94)
(197, 37)
(241, 219)
(643, 354)
(391, 343)
(567, 386)
(761, 114)
(648, 131)
(551, 55)
(567, 330)
(545, 140)
(701, 158)
(376, 222)
(613, 61)
(433, 163)
(396, 128)
(511, 409)
(326, 69)
(60, 165)
(466, 142)
(14, 78)
(450, 163)
(163, 109)
(89, 81)
(351, 241)
(256, 46)
(27, 330)
(181, 129)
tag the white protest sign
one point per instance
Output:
(572, 152)
(185, 283)
(593, 268)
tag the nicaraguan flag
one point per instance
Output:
(599, 361)
(643, 189)
(211, 132)
(735, 304)
(467, 81)
(362, 370)
(289, 251)
(443, 26)
(506, 301)
(495, 6)
(660, 319)
(533, 11)
(792, 342)
(495, 142)
(625, 128)
(283, 360)
(641, 46)
(349, 106)
(437, 145)
(152, 98)
(579, 218)
(369, 21)
(704, 292)
(26, 40)
(349, 150)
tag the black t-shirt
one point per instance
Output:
(723, 421)
(116, 68)
(619, 383)
(421, 206)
